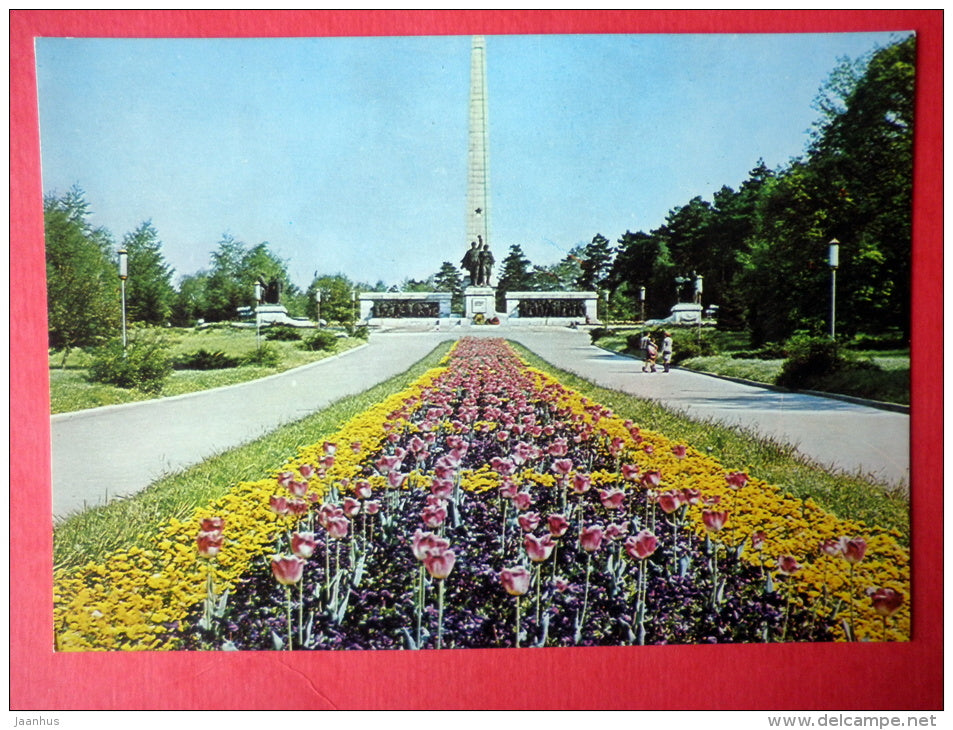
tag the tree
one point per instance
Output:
(149, 291)
(515, 275)
(448, 278)
(189, 304)
(642, 260)
(82, 289)
(595, 263)
(337, 300)
(225, 289)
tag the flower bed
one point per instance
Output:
(489, 506)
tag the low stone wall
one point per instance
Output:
(380, 307)
(555, 307)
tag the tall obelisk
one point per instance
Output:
(478, 168)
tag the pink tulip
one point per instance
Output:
(287, 569)
(502, 436)
(538, 548)
(559, 447)
(434, 501)
(422, 542)
(651, 479)
(278, 505)
(642, 545)
(209, 543)
(522, 500)
(615, 447)
(338, 527)
(614, 531)
(303, 544)
(356, 447)
(396, 479)
(648, 449)
(714, 521)
(529, 521)
(508, 489)
(330, 448)
(561, 585)
(213, 524)
(352, 507)
(362, 489)
(439, 563)
(669, 501)
(736, 479)
(386, 463)
(327, 512)
(558, 525)
(630, 472)
(515, 580)
(298, 506)
(788, 565)
(442, 488)
(612, 498)
(853, 549)
(372, 507)
(691, 496)
(680, 450)
(306, 470)
(298, 489)
(886, 601)
(757, 539)
(433, 516)
(581, 483)
(830, 547)
(285, 477)
(591, 538)
(327, 462)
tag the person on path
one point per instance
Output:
(651, 352)
(667, 351)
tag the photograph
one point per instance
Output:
(390, 342)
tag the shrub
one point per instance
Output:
(808, 359)
(320, 340)
(205, 360)
(144, 364)
(686, 345)
(264, 356)
(283, 333)
(597, 333)
(358, 331)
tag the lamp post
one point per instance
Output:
(698, 301)
(354, 305)
(257, 315)
(834, 260)
(123, 274)
(317, 301)
(642, 301)
(605, 296)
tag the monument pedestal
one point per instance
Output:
(479, 300)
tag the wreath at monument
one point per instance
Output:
(479, 318)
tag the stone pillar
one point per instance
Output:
(478, 156)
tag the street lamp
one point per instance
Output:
(606, 297)
(698, 301)
(642, 301)
(123, 274)
(354, 305)
(834, 260)
(257, 314)
(317, 300)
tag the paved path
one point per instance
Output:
(118, 450)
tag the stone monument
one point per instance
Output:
(480, 297)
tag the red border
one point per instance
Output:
(777, 677)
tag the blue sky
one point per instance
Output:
(349, 154)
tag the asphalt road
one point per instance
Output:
(116, 451)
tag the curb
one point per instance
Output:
(881, 405)
(55, 417)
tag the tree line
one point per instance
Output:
(761, 249)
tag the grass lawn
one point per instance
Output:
(71, 391)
